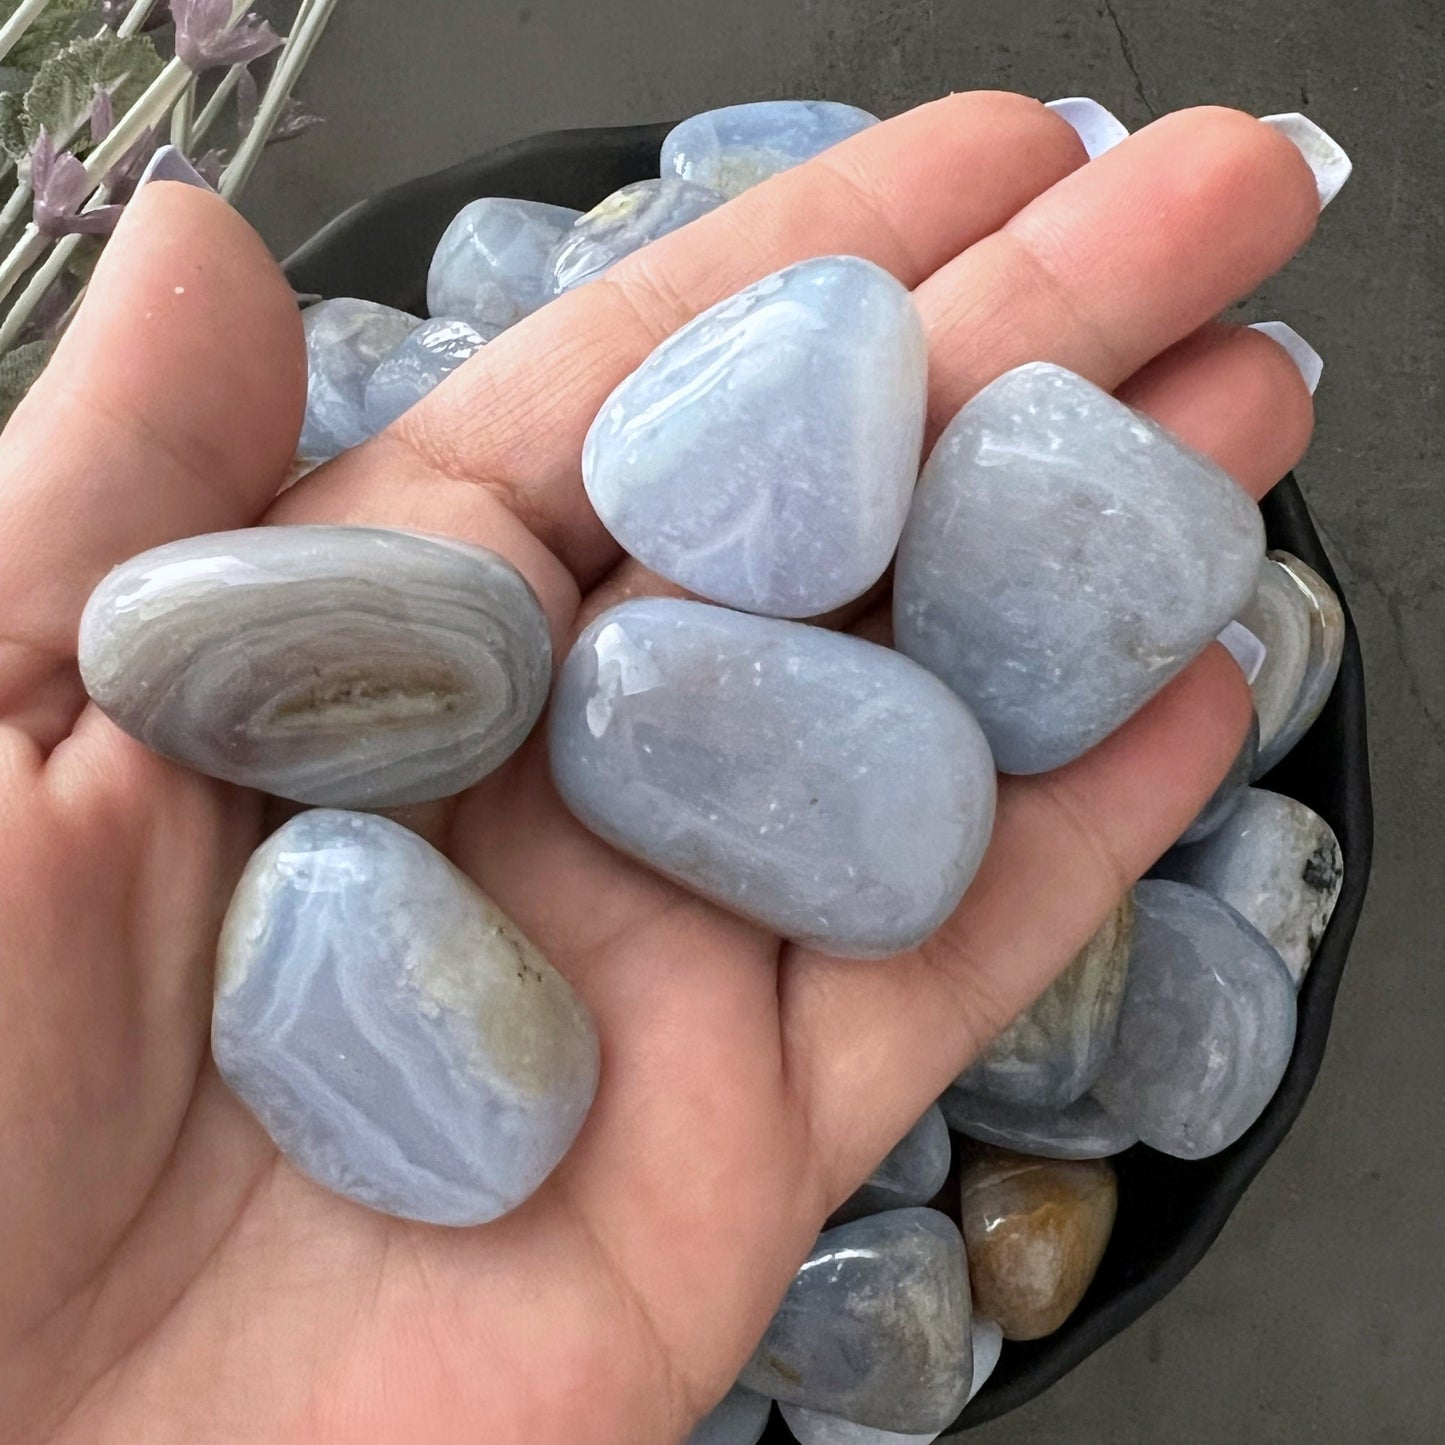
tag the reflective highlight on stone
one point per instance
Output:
(738, 146)
(430, 353)
(1035, 1230)
(821, 785)
(1081, 1130)
(492, 265)
(346, 666)
(875, 1326)
(626, 222)
(394, 1033)
(1277, 614)
(813, 1427)
(912, 1173)
(764, 456)
(345, 341)
(1277, 864)
(1052, 1052)
(1207, 1025)
(739, 1419)
(1065, 558)
(1226, 797)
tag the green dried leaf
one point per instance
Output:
(12, 125)
(18, 370)
(60, 95)
(48, 32)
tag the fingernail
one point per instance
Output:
(1324, 154)
(1099, 129)
(1310, 362)
(169, 163)
(1245, 648)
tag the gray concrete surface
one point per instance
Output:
(1318, 1316)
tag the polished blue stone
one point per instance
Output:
(738, 1419)
(912, 1172)
(429, 354)
(1081, 1130)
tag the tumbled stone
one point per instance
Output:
(813, 1427)
(625, 222)
(736, 147)
(1065, 557)
(1277, 864)
(912, 1173)
(346, 666)
(492, 265)
(818, 784)
(345, 341)
(1035, 1231)
(1277, 614)
(1226, 797)
(430, 353)
(739, 1419)
(1053, 1051)
(764, 455)
(1081, 1130)
(394, 1033)
(875, 1326)
(987, 1348)
(1325, 619)
(1207, 1026)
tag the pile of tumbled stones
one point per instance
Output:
(1059, 560)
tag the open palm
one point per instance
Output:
(164, 1274)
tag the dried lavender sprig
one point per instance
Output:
(26, 13)
(45, 277)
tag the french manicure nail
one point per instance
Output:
(1099, 129)
(169, 163)
(1324, 154)
(1245, 648)
(1310, 362)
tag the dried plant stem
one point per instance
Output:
(15, 27)
(211, 110)
(182, 116)
(44, 278)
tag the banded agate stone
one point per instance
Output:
(345, 666)
(764, 456)
(875, 1326)
(1064, 558)
(427, 355)
(398, 1038)
(738, 146)
(912, 1172)
(820, 785)
(1081, 1130)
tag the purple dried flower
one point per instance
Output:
(205, 38)
(61, 188)
(102, 115)
(211, 164)
(121, 178)
(294, 120)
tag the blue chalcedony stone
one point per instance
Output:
(912, 1172)
(1081, 1130)
(433, 351)
(815, 1427)
(764, 456)
(491, 266)
(1207, 1026)
(626, 222)
(738, 146)
(346, 339)
(398, 1038)
(1065, 558)
(821, 785)
(738, 1419)
(875, 1327)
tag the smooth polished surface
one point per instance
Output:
(491, 266)
(764, 456)
(396, 1035)
(1207, 1025)
(1226, 797)
(345, 666)
(1279, 615)
(1065, 557)
(1081, 1130)
(814, 1427)
(875, 1326)
(1277, 864)
(821, 785)
(433, 351)
(1053, 1051)
(987, 1350)
(912, 1173)
(346, 340)
(739, 145)
(739, 1418)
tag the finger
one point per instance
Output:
(170, 407)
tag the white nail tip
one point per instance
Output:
(1310, 362)
(1245, 648)
(1099, 129)
(1325, 155)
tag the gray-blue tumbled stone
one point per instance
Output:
(1065, 558)
(738, 146)
(1226, 797)
(912, 1172)
(492, 264)
(739, 1418)
(626, 222)
(345, 666)
(430, 353)
(346, 339)
(398, 1038)
(1081, 1130)
(764, 456)
(875, 1326)
(821, 785)
(814, 1427)
(1207, 1026)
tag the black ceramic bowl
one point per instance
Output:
(1170, 1211)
